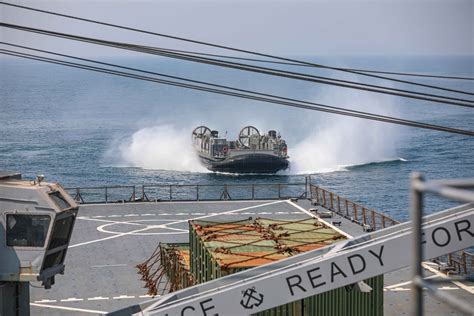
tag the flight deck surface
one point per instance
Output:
(109, 240)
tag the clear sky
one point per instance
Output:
(333, 27)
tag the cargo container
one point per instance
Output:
(217, 249)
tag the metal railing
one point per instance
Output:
(450, 189)
(350, 210)
(187, 192)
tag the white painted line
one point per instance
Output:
(109, 265)
(448, 288)
(319, 219)
(99, 216)
(107, 238)
(469, 289)
(46, 301)
(145, 296)
(72, 299)
(109, 221)
(294, 212)
(97, 298)
(407, 282)
(165, 214)
(282, 213)
(248, 213)
(265, 213)
(70, 309)
(148, 214)
(400, 289)
(123, 297)
(131, 215)
(186, 214)
(114, 216)
(198, 213)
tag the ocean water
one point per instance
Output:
(87, 129)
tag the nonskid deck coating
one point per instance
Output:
(109, 240)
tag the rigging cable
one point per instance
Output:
(272, 99)
(201, 42)
(264, 70)
(410, 74)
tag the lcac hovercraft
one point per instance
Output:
(250, 153)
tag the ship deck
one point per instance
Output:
(109, 240)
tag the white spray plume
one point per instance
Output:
(160, 147)
(341, 141)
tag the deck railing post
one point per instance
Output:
(354, 206)
(338, 204)
(417, 249)
(143, 193)
(372, 213)
(171, 193)
(331, 196)
(346, 204)
(133, 194)
(279, 191)
(364, 217)
(306, 187)
(197, 192)
(324, 197)
(383, 221)
(106, 195)
(253, 191)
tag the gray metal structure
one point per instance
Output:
(450, 189)
(36, 222)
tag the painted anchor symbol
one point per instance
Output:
(249, 294)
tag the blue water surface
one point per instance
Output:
(67, 124)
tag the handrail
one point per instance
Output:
(351, 210)
(185, 192)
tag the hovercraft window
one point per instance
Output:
(27, 230)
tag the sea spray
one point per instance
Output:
(340, 141)
(162, 147)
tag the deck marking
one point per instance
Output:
(407, 282)
(97, 298)
(103, 229)
(131, 215)
(400, 289)
(148, 214)
(123, 297)
(72, 299)
(457, 283)
(70, 309)
(109, 221)
(110, 265)
(109, 237)
(46, 301)
(114, 216)
(173, 223)
(319, 219)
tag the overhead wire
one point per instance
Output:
(409, 74)
(264, 70)
(202, 42)
(252, 96)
